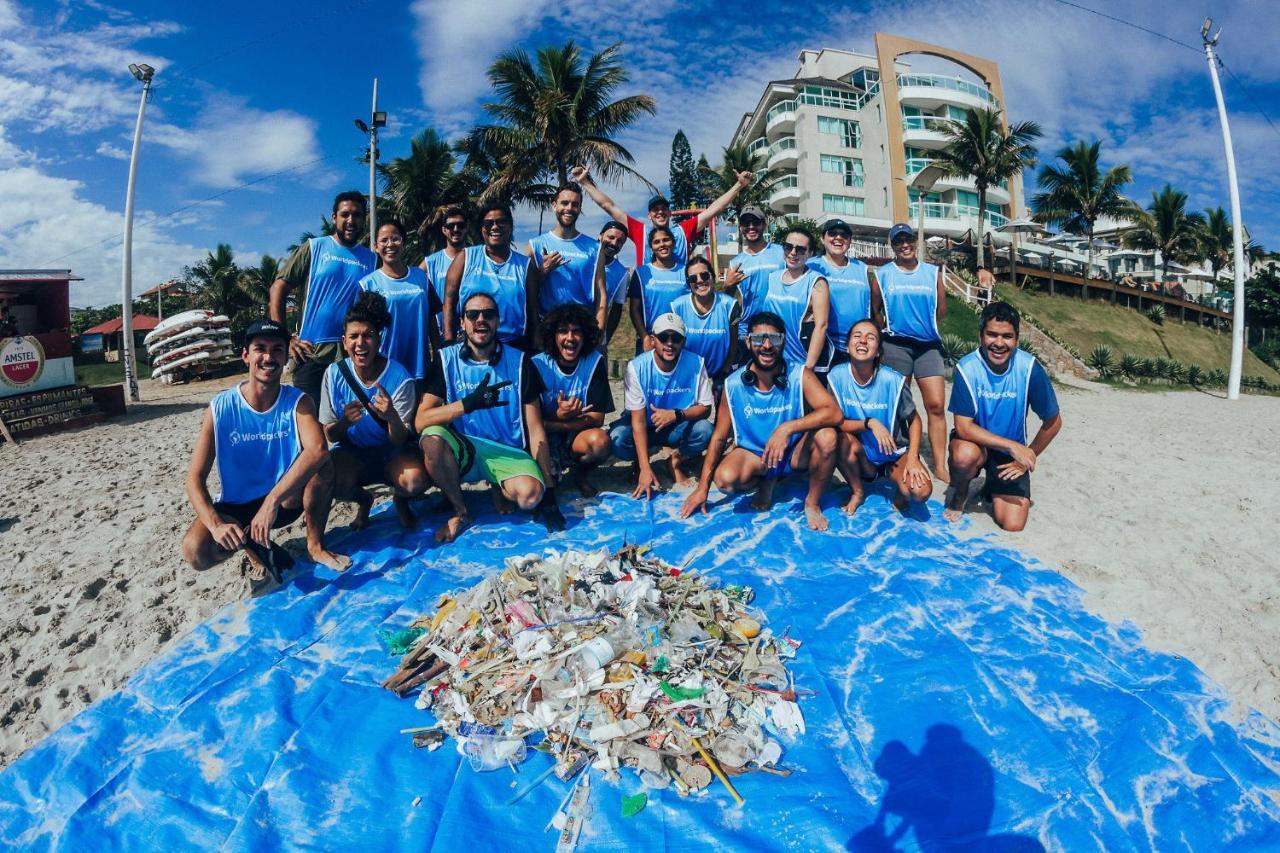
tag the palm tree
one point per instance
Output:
(256, 282)
(1167, 228)
(419, 188)
(1217, 242)
(737, 158)
(552, 115)
(981, 148)
(219, 287)
(326, 230)
(1076, 195)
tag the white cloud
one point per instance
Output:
(106, 149)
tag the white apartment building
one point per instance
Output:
(851, 130)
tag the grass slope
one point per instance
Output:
(1087, 324)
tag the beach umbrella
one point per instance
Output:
(1013, 228)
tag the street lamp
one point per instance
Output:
(922, 182)
(376, 120)
(143, 74)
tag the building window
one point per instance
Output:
(846, 204)
(849, 168)
(849, 132)
(884, 191)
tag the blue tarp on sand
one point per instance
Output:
(965, 700)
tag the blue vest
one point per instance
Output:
(1001, 399)
(571, 385)
(366, 432)
(877, 399)
(254, 449)
(658, 289)
(332, 287)
(571, 282)
(681, 249)
(757, 268)
(503, 424)
(850, 296)
(910, 301)
(615, 281)
(791, 303)
(406, 340)
(708, 335)
(437, 267)
(756, 414)
(675, 390)
(504, 282)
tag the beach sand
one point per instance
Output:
(1163, 516)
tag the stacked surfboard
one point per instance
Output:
(188, 345)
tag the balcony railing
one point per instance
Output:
(855, 103)
(786, 143)
(941, 210)
(779, 109)
(758, 146)
(954, 84)
(786, 182)
(917, 164)
(937, 124)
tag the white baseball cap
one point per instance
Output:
(669, 323)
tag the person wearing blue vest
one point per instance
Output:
(801, 298)
(272, 461)
(913, 305)
(327, 270)
(576, 395)
(563, 269)
(366, 403)
(994, 387)
(880, 434)
(612, 277)
(480, 418)
(495, 268)
(667, 395)
(710, 319)
(747, 275)
(410, 302)
(854, 293)
(436, 265)
(654, 286)
(683, 234)
(781, 420)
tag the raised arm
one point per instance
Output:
(608, 205)
(745, 179)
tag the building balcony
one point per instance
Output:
(935, 90)
(957, 218)
(785, 193)
(931, 132)
(781, 119)
(758, 147)
(996, 193)
(783, 153)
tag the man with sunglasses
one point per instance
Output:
(436, 265)
(563, 258)
(851, 285)
(327, 270)
(611, 280)
(782, 421)
(496, 268)
(685, 232)
(480, 418)
(749, 271)
(667, 396)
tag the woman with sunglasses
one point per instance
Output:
(914, 305)
(801, 298)
(410, 302)
(854, 292)
(654, 286)
(880, 435)
(496, 268)
(710, 319)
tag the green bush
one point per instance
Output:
(1195, 376)
(1131, 366)
(954, 348)
(1102, 360)
(1176, 372)
(1216, 378)
(1156, 314)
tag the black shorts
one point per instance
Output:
(243, 513)
(1019, 488)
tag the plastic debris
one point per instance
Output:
(633, 805)
(399, 642)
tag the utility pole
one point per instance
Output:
(376, 120)
(143, 73)
(1237, 224)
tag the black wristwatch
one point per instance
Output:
(679, 416)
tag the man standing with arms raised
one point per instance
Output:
(328, 271)
(749, 271)
(684, 233)
(436, 265)
(563, 258)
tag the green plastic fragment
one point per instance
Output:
(399, 642)
(661, 665)
(681, 694)
(632, 806)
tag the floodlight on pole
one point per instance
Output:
(143, 73)
(922, 182)
(1237, 224)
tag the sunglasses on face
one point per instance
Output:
(905, 241)
(750, 222)
(454, 226)
(474, 314)
(694, 278)
(758, 339)
(390, 241)
(670, 337)
(491, 224)
(838, 235)
(788, 248)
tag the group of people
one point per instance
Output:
(488, 364)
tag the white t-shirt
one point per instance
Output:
(633, 395)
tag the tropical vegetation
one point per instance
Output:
(1166, 227)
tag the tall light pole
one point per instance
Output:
(376, 120)
(1237, 224)
(142, 73)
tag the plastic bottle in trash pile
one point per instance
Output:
(604, 649)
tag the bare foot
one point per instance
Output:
(764, 495)
(942, 474)
(407, 519)
(364, 502)
(452, 528)
(678, 475)
(257, 569)
(583, 485)
(955, 504)
(855, 501)
(501, 503)
(337, 562)
(817, 521)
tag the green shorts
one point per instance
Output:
(482, 459)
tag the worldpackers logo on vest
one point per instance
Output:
(237, 437)
(751, 411)
(997, 395)
(327, 257)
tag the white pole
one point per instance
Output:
(1237, 230)
(126, 287)
(373, 168)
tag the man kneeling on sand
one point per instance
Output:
(782, 421)
(273, 463)
(994, 387)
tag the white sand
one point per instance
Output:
(1161, 505)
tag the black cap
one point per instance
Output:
(751, 210)
(833, 224)
(613, 223)
(657, 200)
(266, 329)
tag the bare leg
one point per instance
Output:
(678, 474)
(317, 498)
(1010, 511)
(818, 453)
(740, 471)
(966, 461)
(850, 461)
(442, 468)
(522, 491)
(933, 391)
(908, 493)
(590, 447)
(408, 478)
(348, 473)
(200, 549)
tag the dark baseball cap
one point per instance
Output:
(902, 229)
(266, 329)
(752, 210)
(613, 223)
(658, 200)
(836, 225)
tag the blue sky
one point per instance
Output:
(247, 90)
